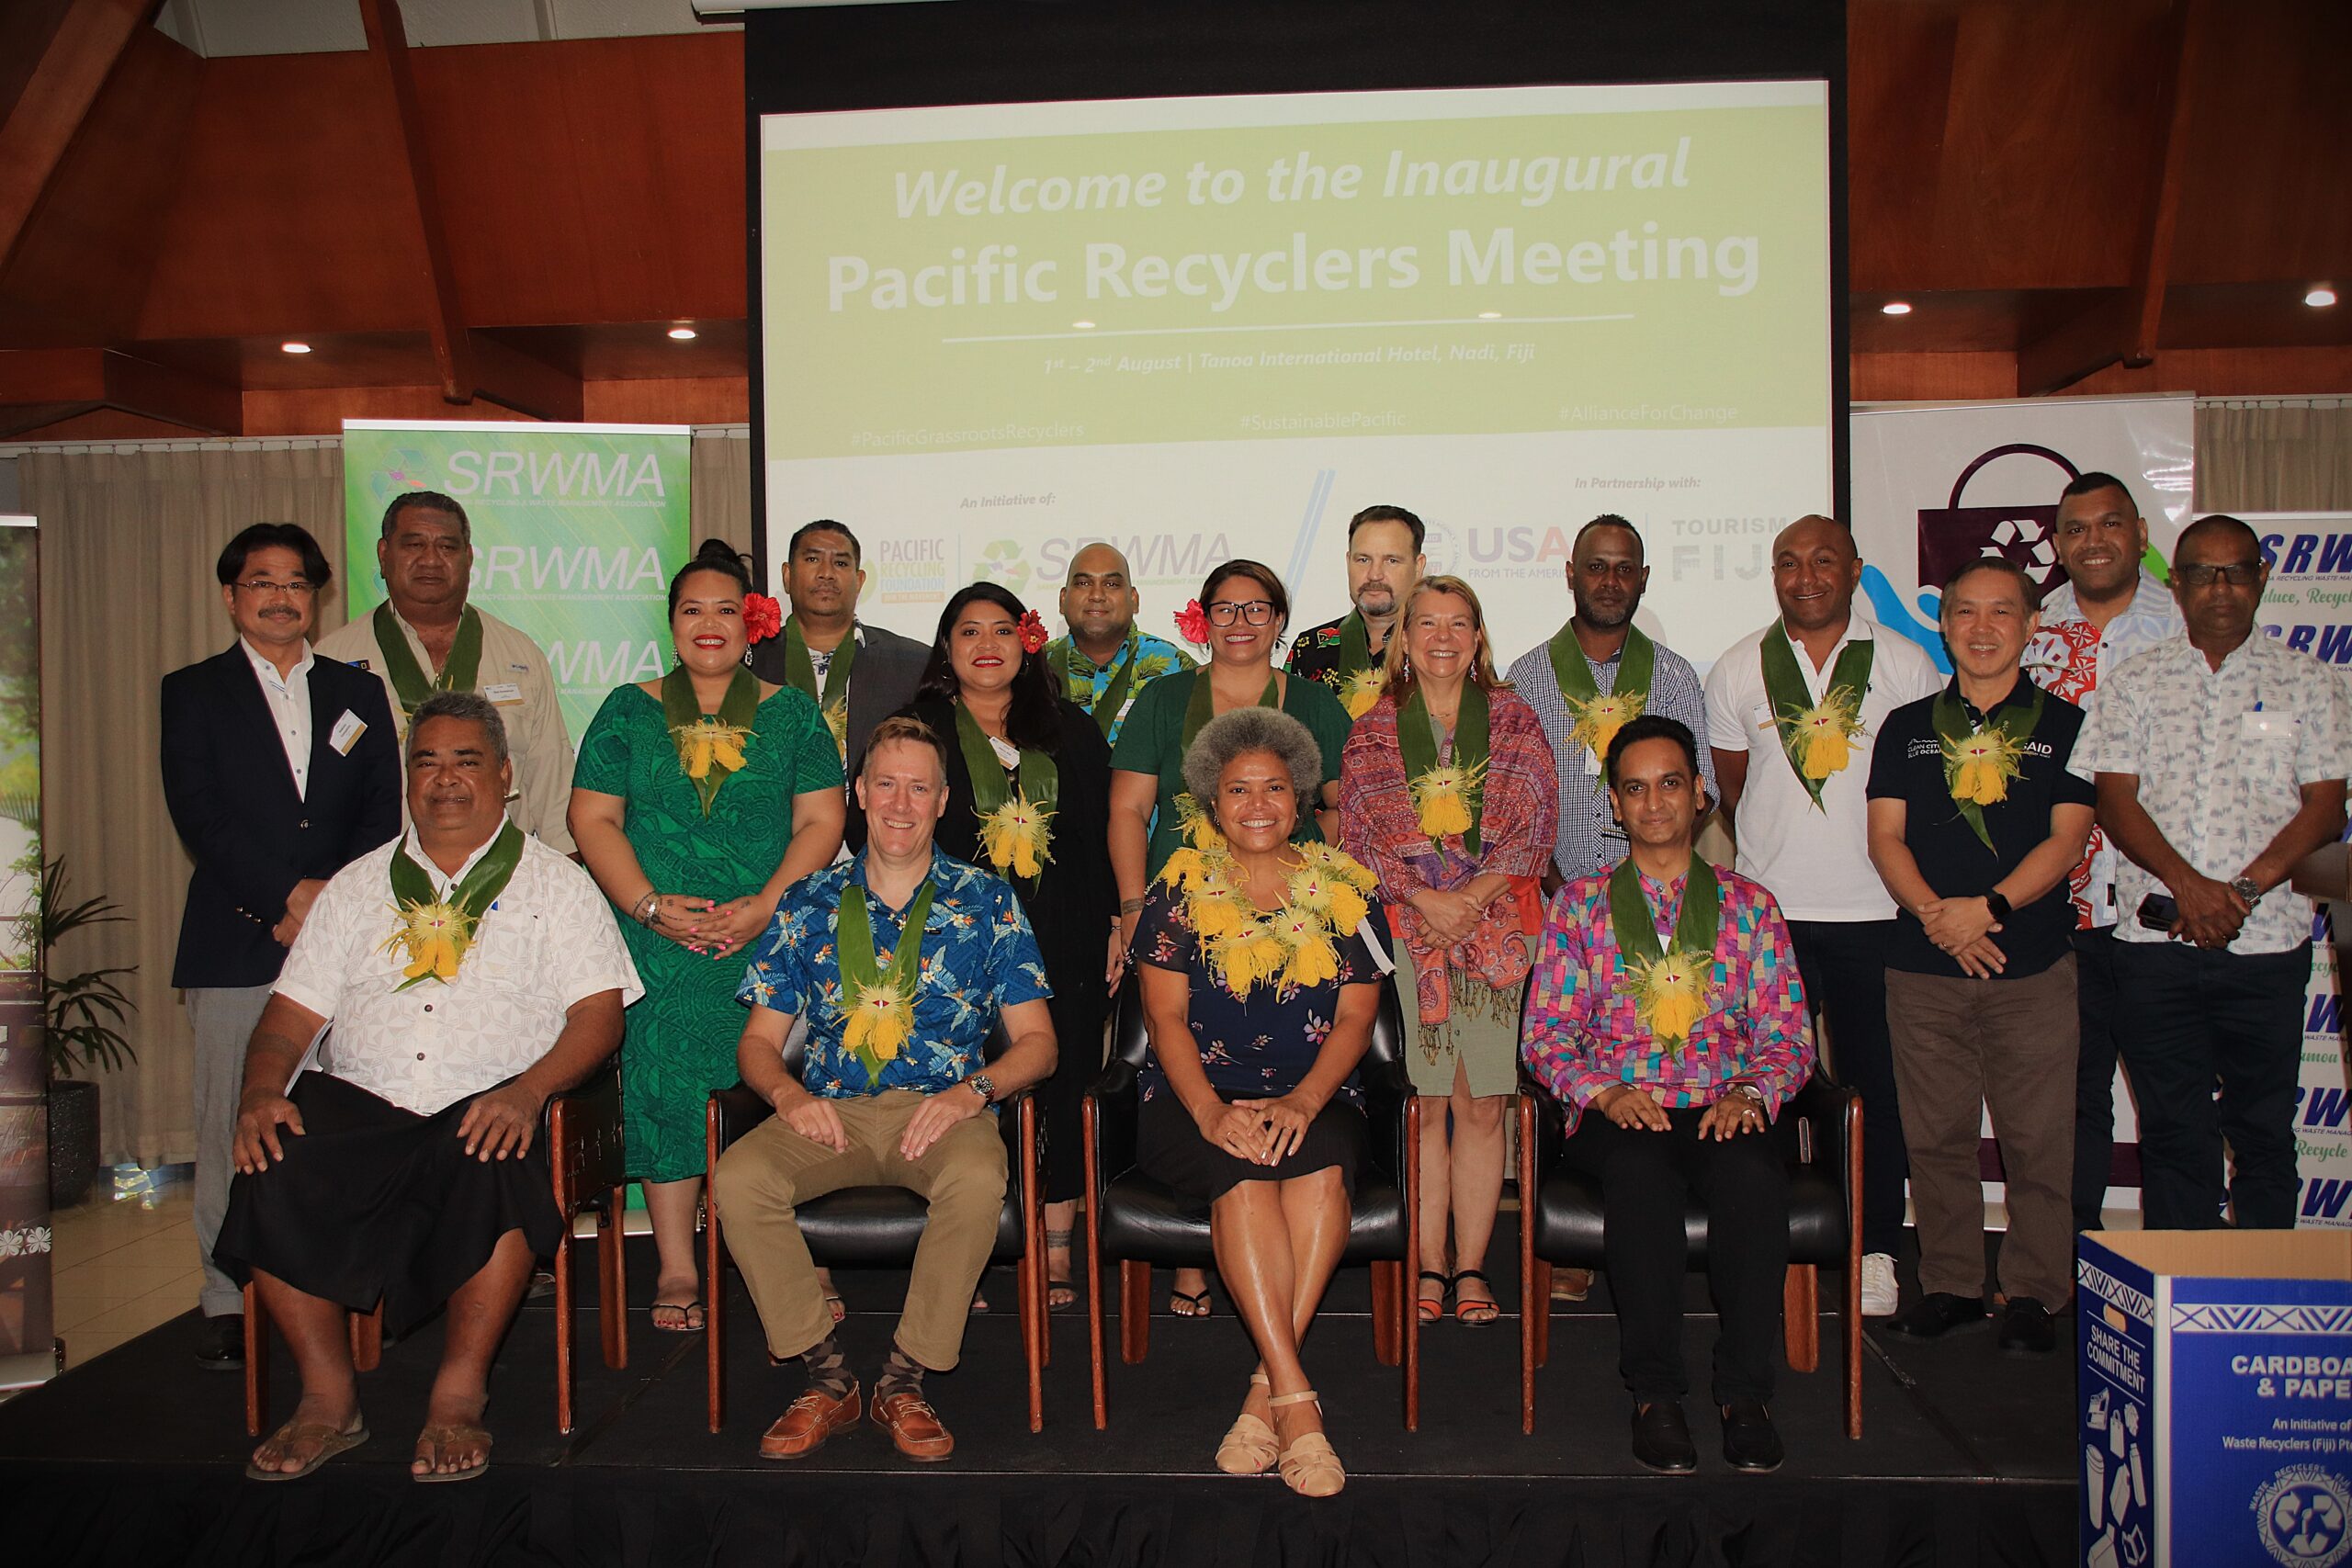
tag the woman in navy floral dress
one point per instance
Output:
(1261, 999)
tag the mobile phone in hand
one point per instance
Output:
(2158, 911)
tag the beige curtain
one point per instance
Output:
(129, 542)
(2274, 455)
(720, 503)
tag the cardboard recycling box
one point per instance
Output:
(2215, 1398)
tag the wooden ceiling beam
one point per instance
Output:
(453, 353)
(513, 380)
(84, 379)
(41, 124)
(2125, 331)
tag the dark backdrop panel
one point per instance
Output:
(979, 51)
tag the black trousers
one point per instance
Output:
(1843, 964)
(1647, 1180)
(2188, 1018)
(2095, 999)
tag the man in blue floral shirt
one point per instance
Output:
(892, 1091)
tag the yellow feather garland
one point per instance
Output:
(1670, 996)
(1362, 690)
(1016, 835)
(879, 1022)
(1599, 720)
(1827, 729)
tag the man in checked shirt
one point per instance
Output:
(1667, 1016)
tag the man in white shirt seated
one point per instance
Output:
(470, 972)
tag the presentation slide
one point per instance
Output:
(1200, 328)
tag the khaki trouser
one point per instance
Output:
(1963, 1046)
(772, 1167)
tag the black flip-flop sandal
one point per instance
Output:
(1198, 1298)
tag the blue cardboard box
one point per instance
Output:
(2215, 1398)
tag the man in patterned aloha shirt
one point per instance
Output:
(1104, 661)
(2110, 608)
(1658, 1120)
(902, 1104)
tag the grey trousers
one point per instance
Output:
(223, 1018)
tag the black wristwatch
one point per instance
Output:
(979, 1084)
(1997, 907)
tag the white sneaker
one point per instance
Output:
(1879, 1296)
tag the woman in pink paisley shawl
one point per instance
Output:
(1465, 918)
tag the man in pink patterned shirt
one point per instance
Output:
(1667, 1002)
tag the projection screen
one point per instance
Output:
(1209, 327)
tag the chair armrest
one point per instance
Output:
(1817, 1116)
(1551, 1127)
(733, 1112)
(1387, 1089)
(1117, 1098)
(584, 1142)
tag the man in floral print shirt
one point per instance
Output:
(1102, 661)
(1663, 1103)
(2110, 608)
(900, 1106)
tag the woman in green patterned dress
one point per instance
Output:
(697, 799)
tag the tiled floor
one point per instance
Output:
(122, 1267)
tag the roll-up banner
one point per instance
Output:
(576, 530)
(2308, 605)
(27, 1328)
(1934, 484)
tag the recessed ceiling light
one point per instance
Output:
(1896, 307)
(1490, 315)
(2320, 297)
(682, 334)
(1083, 326)
(294, 348)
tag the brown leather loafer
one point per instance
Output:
(914, 1428)
(808, 1421)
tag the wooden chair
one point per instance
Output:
(1561, 1219)
(879, 1226)
(585, 1154)
(1138, 1221)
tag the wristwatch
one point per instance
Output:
(2247, 889)
(979, 1084)
(1997, 907)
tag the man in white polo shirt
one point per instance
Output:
(1792, 712)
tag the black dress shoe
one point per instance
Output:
(2026, 1328)
(1662, 1438)
(221, 1346)
(1749, 1442)
(1936, 1315)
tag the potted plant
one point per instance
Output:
(80, 1013)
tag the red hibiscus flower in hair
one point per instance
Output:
(1192, 624)
(1033, 632)
(763, 617)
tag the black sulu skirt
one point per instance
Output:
(1169, 1148)
(375, 1203)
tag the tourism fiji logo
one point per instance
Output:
(2304, 1517)
(403, 471)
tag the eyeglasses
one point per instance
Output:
(1257, 611)
(262, 587)
(2237, 574)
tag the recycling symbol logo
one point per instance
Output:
(1004, 564)
(2025, 541)
(2304, 1518)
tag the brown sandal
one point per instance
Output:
(442, 1436)
(335, 1440)
(1250, 1447)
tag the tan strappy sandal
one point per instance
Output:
(1309, 1467)
(1250, 1447)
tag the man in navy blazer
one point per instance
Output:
(279, 768)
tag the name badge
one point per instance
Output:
(347, 732)
(503, 691)
(1592, 763)
(1760, 716)
(2269, 724)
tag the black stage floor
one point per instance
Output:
(1966, 1457)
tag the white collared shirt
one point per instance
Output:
(2222, 757)
(289, 699)
(1814, 861)
(548, 942)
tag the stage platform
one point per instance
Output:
(1966, 1457)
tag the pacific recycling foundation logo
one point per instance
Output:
(1004, 564)
(2304, 1517)
(403, 470)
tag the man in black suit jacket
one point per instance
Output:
(279, 768)
(824, 575)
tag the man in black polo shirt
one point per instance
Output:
(1974, 822)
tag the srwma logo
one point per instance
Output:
(610, 475)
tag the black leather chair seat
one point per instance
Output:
(1141, 1218)
(1568, 1221)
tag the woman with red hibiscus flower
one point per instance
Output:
(697, 799)
(1029, 799)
